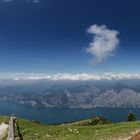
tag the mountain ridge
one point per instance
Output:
(74, 94)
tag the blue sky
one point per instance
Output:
(50, 36)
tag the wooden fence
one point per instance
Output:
(11, 130)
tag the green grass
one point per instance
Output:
(92, 121)
(33, 131)
(4, 119)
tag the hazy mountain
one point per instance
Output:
(72, 94)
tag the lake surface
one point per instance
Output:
(57, 115)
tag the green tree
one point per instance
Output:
(131, 117)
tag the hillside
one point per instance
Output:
(33, 131)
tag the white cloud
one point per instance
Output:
(68, 76)
(104, 42)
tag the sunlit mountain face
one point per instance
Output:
(123, 93)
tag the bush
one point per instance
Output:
(131, 117)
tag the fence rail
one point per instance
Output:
(11, 130)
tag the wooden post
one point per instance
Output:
(11, 133)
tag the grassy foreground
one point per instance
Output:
(33, 131)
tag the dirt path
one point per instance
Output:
(136, 136)
(130, 136)
(3, 130)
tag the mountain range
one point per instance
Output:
(72, 94)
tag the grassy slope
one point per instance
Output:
(32, 131)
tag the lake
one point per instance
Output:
(62, 115)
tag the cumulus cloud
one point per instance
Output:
(104, 43)
(68, 76)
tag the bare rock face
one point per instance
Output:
(3, 130)
(74, 94)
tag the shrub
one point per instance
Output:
(131, 117)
